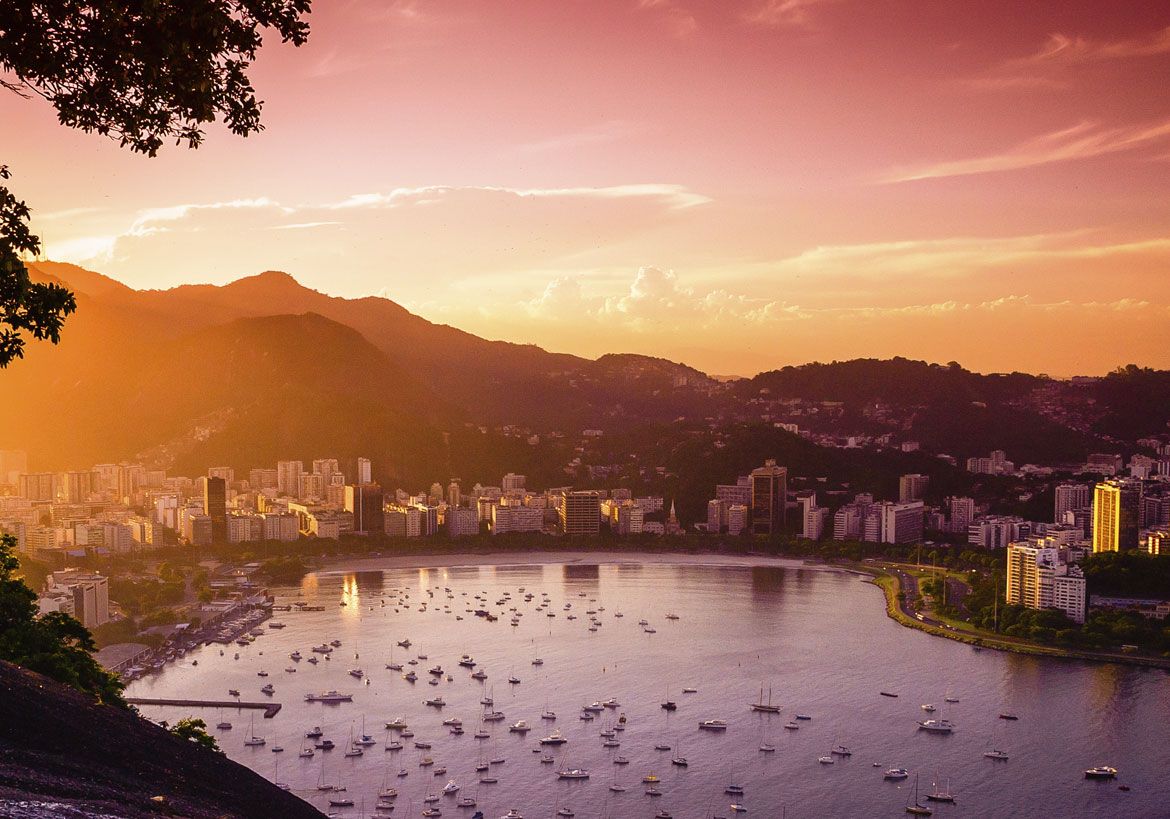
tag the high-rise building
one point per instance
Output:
(77, 486)
(225, 472)
(847, 522)
(260, 480)
(513, 481)
(960, 513)
(769, 498)
(812, 517)
(366, 503)
(364, 471)
(580, 513)
(1037, 578)
(901, 522)
(912, 487)
(461, 522)
(454, 495)
(717, 515)
(737, 518)
(327, 468)
(288, 478)
(39, 487)
(215, 507)
(1070, 497)
(739, 492)
(1116, 515)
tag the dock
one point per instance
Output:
(271, 709)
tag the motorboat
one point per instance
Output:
(451, 787)
(356, 673)
(937, 726)
(896, 774)
(996, 754)
(555, 738)
(651, 779)
(928, 708)
(479, 675)
(224, 726)
(826, 760)
(595, 708)
(713, 725)
(493, 716)
(1008, 716)
(734, 789)
(519, 727)
(573, 773)
(330, 696)
(269, 688)
(233, 692)
(841, 750)
(396, 724)
(466, 661)
(1101, 772)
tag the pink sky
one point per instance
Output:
(740, 185)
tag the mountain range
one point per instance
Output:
(264, 368)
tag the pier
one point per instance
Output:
(271, 709)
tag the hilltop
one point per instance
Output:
(62, 755)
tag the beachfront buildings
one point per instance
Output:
(1040, 576)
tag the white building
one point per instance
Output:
(1038, 577)
(516, 519)
(364, 471)
(462, 522)
(812, 518)
(288, 477)
(737, 519)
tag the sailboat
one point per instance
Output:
(943, 795)
(669, 704)
(768, 707)
(276, 777)
(252, 739)
(917, 809)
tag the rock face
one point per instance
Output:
(63, 756)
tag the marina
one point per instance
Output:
(817, 639)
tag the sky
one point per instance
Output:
(738, 185)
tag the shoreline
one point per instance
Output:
(505, 557)
(894, 612)
(545, 558)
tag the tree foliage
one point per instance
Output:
(140, 73)
(54, 644)
(194, 730)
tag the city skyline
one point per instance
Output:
(800, 180)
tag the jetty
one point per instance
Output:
(270, 709)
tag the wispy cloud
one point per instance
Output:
(304, 225)
(680, 21)
(593, 135)
(1084, 140)
(676, 196)
(782, 13)
(1048, 65)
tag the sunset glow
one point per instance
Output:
(734, 185)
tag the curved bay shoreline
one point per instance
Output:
(502, 558)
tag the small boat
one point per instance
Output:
(1101, 772)
(928, 708)
(329, 697)
(548, 715)
(887, 694)
(651, 779)
(713, 725)
(519, 727)
(1008, 716)
(356, 673)
(791, 726)
(803, 716)
(896, 774)
(479, 675)
(768, 707)
(435, 702)
(937, 726)
(573, 773)
(996, 754)
(690, 691)
(950, 699)
(261, 673)
(224, 726)
(826, 760)
(396, 724)
(335, 643)
(269, 688)
(841, 750)
(915, 808)
(941, 795)
(451, 787)
(340, 802)
(233, 692)
(555, 738)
